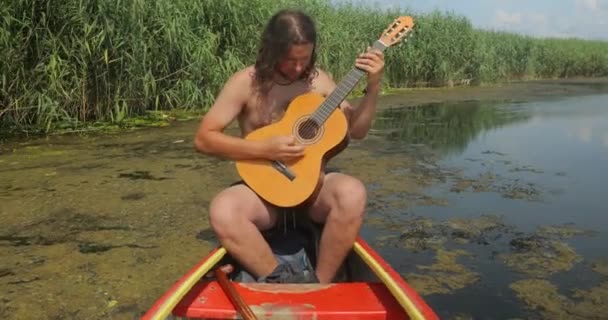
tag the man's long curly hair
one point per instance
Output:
(284, 29)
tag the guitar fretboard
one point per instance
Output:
(342, 91)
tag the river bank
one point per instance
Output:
(530, 90)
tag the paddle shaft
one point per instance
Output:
(234, 296)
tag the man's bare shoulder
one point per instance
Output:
(324, 75)
(243, 77)
(235, 93)
(323, 81)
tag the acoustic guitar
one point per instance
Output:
(318, 124)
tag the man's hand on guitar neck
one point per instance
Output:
(372, 62)
(360, 118)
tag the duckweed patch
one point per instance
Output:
(64, 226)
(507, 177)
(6, 272)
(394, 181)
(601, 268)
(512, 188)
(482, 230)
(564, 231)
(544, 297)
(545, 252)
(140, 175)
(134, 196)
(540, 257)
(539, 254)
(91, 247)
(444, 276)
(420, 233)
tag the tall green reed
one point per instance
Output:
(71, 63)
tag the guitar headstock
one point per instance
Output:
(397, 30)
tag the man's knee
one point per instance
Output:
(223, 212)
(351, 197)
(235, 206)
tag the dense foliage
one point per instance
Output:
(68, 63)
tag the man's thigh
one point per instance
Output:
(335, 187)
(239, 199)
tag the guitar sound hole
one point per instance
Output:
(308, 129)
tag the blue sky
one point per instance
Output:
(586, 19)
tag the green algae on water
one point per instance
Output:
(477, 230)
(421, 234)
(563, 231)
(444, 276)
(545, 252)
(544, 297)
(540, 257)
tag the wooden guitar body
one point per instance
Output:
(292, 184)
(318, 124)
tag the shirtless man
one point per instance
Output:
(258, 96)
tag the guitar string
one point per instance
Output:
(324, 112)
(354, 75)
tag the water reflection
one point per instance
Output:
(541, 169)
(446, 128)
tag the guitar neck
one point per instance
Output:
(343, 89)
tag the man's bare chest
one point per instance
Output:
(262, 111)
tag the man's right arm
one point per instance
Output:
(211, 139)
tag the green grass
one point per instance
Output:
(74, 63)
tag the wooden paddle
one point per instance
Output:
(233, 295)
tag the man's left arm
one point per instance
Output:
(360, 118)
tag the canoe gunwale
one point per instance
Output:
(413, 305)
(163, 307)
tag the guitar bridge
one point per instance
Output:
(283, 170)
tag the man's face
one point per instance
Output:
(296, 61)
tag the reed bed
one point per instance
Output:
(76, 63)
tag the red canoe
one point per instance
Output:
(369, 289)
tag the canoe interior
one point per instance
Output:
(357, 293)
(289, 243)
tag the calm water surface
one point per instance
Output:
(531, 165)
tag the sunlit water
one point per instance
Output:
(539, 164)
(99, 226)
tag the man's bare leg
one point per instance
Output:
(340, 204)
(237, 215)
